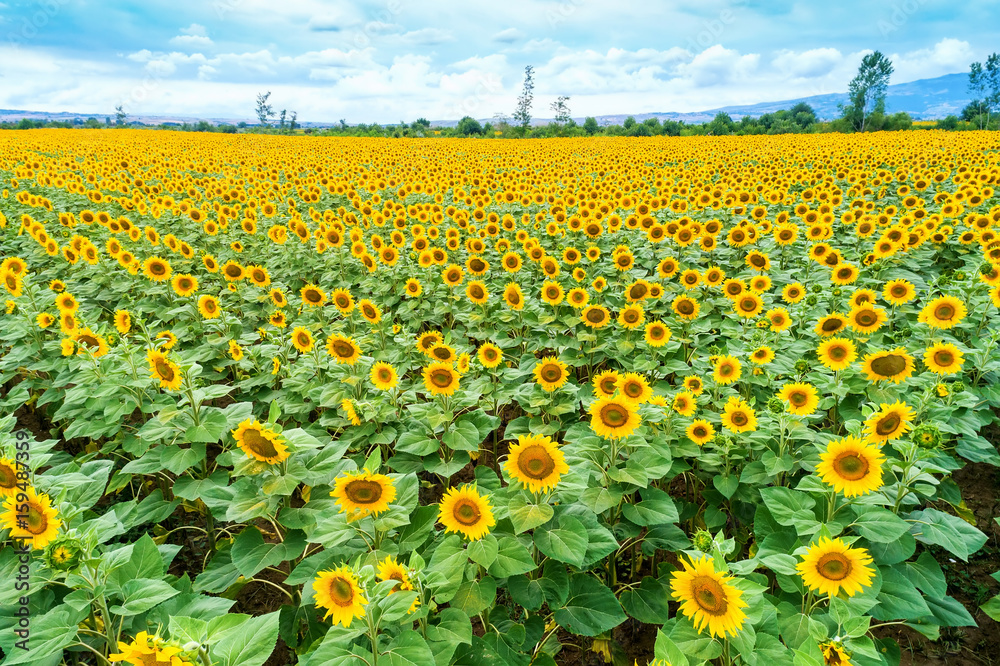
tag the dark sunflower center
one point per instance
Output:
(595, 316)
(709, 595)
(535, 462)
(467, 513)
(888, 424)
(608, 385)
(837, 353)
(631, 316)
(37, 522)
(363, 492)
(699, 431)
(312, 295)
(834, 566)
(477, 265)
(798, 398)
(342, 301)
(88, 341)
(384, 375)
(757, 260)
(343, 349)
(234, 271)
(157, 269)
(944, 312)
(739, 418)
(866, 318)
(632, 389)
(441, 353)
(8, 478)
(164, 370)
(748, 304)
(656, 332)
(637, 291)
(851, 466)
(944, 357)
(831, 325)
(726, 369)
(685, 307)
(477, 292)
(889, 365)
(441, 378)
(341, 592)
(304, 339)
(614, 415)
(844, 273)
(257, 442)
(513, 297)
(551, 372)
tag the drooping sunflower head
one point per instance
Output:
(465, 511)
(259, 442)
(708, 598)
(830, 566)
(551, 373)
(613, 417)
(890, 365)
(339, 592)
(851, 466)
(363, 493)
(164, 370)
(536, 462)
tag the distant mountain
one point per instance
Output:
(926, 99)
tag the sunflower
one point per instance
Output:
(390, 569)
(340, 594)
(899, 292)
(685, 307)
(852, 466)
(476, 292)
(837, 353)
(739, 416)
(156, 269)
(41, 524)
(943, 358)
(259, 442)
(208, 306)
(577, 297)
(235, 350)
(537, 462)
(830, 324)
(369, 311)
(363, 493)
(513, 296)
(440, 379)
(312, 295)
(383, 376)
(613, 418)
(830, 566)
(657, 334)
(427, 341)
(44, 320)
(631, 316)
(727, 370)
(793, 293)
(66, 302)
(894, 365)
(278, 298)
(943, 312)
(634, 387)
(552, 293)
(862, 297)
(277, 319)
(352, 414)
(146, 649)
(779, 318)
(302, 339)
(802, 398)
(708, 598)
(89, 341)
(163, 369)
(184, 284)
(465, 511)
(490, 356)
(123, 321)
(685, 403)
(414, 288)
(889, 422)
(550, 373)
(700, 432)
(342, 300)
(762, 355)
(343, 349)
(844, 274)
(834, 654)
(866, 318)
(595, 316)
(606, 383)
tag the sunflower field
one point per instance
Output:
(372, 402)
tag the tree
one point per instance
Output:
(120, 116)
(281, 122)
(866, 91)
(264, 110)
(590, 126)
(984, 86)
(294, 121)
(721, 124)
(523, 113)
(468, 126)
(560, 109)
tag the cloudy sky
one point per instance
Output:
(393, 60)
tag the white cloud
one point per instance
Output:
(508, 36)
(717, 64)
(427, 37)
(946, 57)
(807, 64)
(194, 36)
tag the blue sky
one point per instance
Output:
(393, 60)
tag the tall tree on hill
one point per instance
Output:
(984, 86)
(523, 113)
(264, 110)
(866, 91)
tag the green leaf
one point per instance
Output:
(474, 596)
(448, 562)
(656, 508)
(483, 551)
(554, 583)
(568, 543)
(452, 630)
(184, 629)
(880, 525)
(927, 575)
(791, 508)
(898, 598)
(50, 633)
(992, 608)
(513, 558)
(950, 532)
(142, 594)
(591, 608)
(666, 651)
(526, 592)
(726, 485)
(409, 649)
(463, 436)
(248, 644)
(648, 602)
(526, 515)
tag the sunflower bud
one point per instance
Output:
(64, 553)
(703, 541)
(837, 292)
(958, 387)
(817, 288)
(927, 436)
(802, 366)
(812, 299)
(775, 406)
(985, 268)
